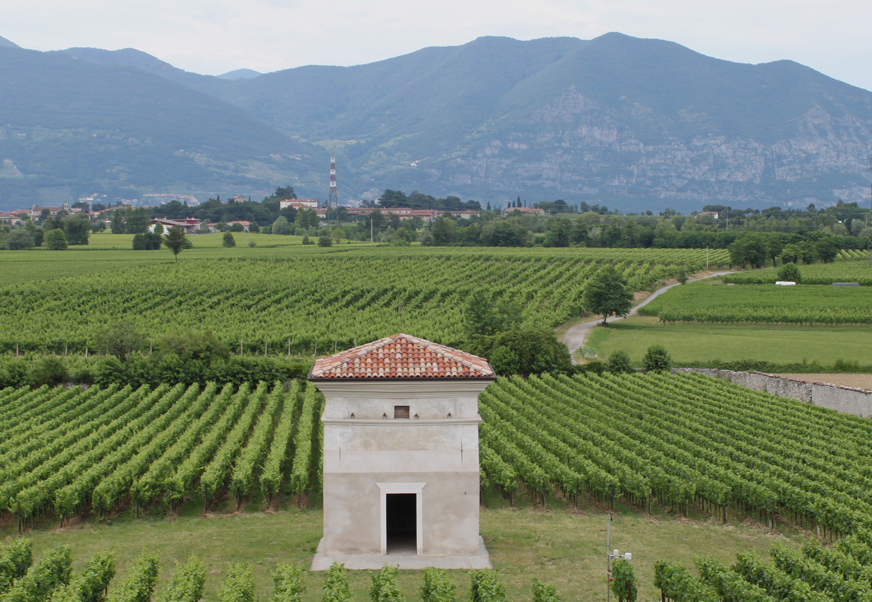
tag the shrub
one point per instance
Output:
(228, 240)
(139, 581)
(19, 239)
(252, 244)
(289, 584)
(15, 559)
(56, 240)
(239, 585)
(325, 241)
(13, 373)
(385, 587)
(592, 367)
(619, 363)
(306, 240)
(437, 587)
(790, 272)
(36, 586)
(544, 593)
(486, 587)
(336, 584)
(657, 359)
(187, 582)
(50, 371)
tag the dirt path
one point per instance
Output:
(575, 336)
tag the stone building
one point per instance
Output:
(401, 472)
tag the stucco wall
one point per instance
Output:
(841, 399)
(353, 521)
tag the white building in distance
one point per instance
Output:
(401, 468)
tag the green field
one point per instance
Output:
(763, 303)
(859, 271)
(688, 343)
(562, 547)
(332, 299)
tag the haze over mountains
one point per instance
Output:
(628, 122)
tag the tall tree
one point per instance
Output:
(607, 293)
(175, 240)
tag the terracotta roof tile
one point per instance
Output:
(402, 356)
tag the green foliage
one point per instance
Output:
(544, 593)
(682, 276)
(239, 584)
(624, 581)
(289, 584)
(677, 584)
(13, 372)
(15, 558)
(148, 241)
(139, 580)
(91, 584)
(485, 316)
(325, 241)
(657, 359)
(384, 586)
(55, 240)
(486, 587)
(790, 272)
(176, 240)
(306, 240)
(194, 345)
(52, 571)
(48, 370)
(437, 586)
(19, 239)
(77, 228)
(524, 351)
(619, 363)
(119, 339)
(607, 293)
(187, 582)
(281, 226)
(336, 585)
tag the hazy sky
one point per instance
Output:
(216, 36)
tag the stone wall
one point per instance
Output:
(842, 399)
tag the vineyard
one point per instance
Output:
(679, 440)
(304, 304)
(818, 273)
(764, 304)
(71, 451)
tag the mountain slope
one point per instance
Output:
(627, 120)
(70, 126)
(4, 43)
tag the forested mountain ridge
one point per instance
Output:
(632, 123)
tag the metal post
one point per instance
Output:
(608, 557)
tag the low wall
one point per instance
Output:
(842, 399)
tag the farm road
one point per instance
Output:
(575, 336)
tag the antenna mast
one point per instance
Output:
(334, 201)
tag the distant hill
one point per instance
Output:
(4, 43)
(70, 127)
(240, 74)
(627, 122)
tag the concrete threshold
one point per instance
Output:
(404, 561)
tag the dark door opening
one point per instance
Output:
(402, 522)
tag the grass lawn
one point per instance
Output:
(559, 546)
(706, 342)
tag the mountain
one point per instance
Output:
(4, 43)
(240, 74)
(631, 122)
(71, 127)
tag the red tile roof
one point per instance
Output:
(402, 356)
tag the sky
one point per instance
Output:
(217, 36)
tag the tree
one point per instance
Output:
(117, 225)
(158, 228)
(749, 249)
(281, 226)
(525, 351)
(827, 249)
(619, 363)
(325, 241)
(307, 218)
(228, 240)
(55, 240)
(657, 359)
(790, 272)
(444, 231)
(483, 317)
(19, 239)
(120, 339)
(607, 293)
(175, 241)
(76, 228)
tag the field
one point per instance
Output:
(818, 273)
(321, 300)
(780, 344)
(763, 303)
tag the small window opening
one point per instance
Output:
(401, 411)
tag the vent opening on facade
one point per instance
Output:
(401, 411)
